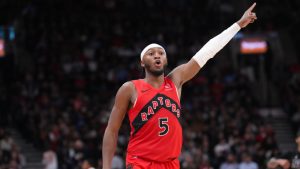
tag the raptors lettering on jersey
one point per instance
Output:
(157, 103)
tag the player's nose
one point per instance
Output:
(156, 56)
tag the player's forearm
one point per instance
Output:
(214, 45)
(109, 147)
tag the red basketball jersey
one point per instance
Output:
(156, 132)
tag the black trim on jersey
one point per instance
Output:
(138, 123)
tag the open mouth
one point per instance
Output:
(157, 63)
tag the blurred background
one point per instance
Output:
(62, 61)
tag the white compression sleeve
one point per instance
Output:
(214, 45)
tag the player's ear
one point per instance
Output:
(142, 64)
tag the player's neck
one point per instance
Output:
(155, 81)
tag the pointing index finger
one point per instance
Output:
(252, 7)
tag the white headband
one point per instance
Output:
(152, 45)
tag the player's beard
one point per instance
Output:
(153, 72)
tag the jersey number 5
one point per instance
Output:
(163, 124)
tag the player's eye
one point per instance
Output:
(161, 53)
(150, 53)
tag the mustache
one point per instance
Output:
(155, 72)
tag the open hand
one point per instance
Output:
(248, 17)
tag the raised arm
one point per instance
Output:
(121, 105)
(185, 72)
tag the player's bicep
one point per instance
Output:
(120, 107)
(185, 72)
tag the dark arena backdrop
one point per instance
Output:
(62, 61)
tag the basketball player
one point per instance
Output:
(153, 105)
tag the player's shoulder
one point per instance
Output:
(126, 89)
(130, 86)
(134, 83)
(127, 85)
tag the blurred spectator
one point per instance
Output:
(10, 156)
(205, 164)
(222, 148)
(247, 162)
(117, 162)
(6, 147)
(230, 162)
(50, 159)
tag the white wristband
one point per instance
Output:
(214, 45)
